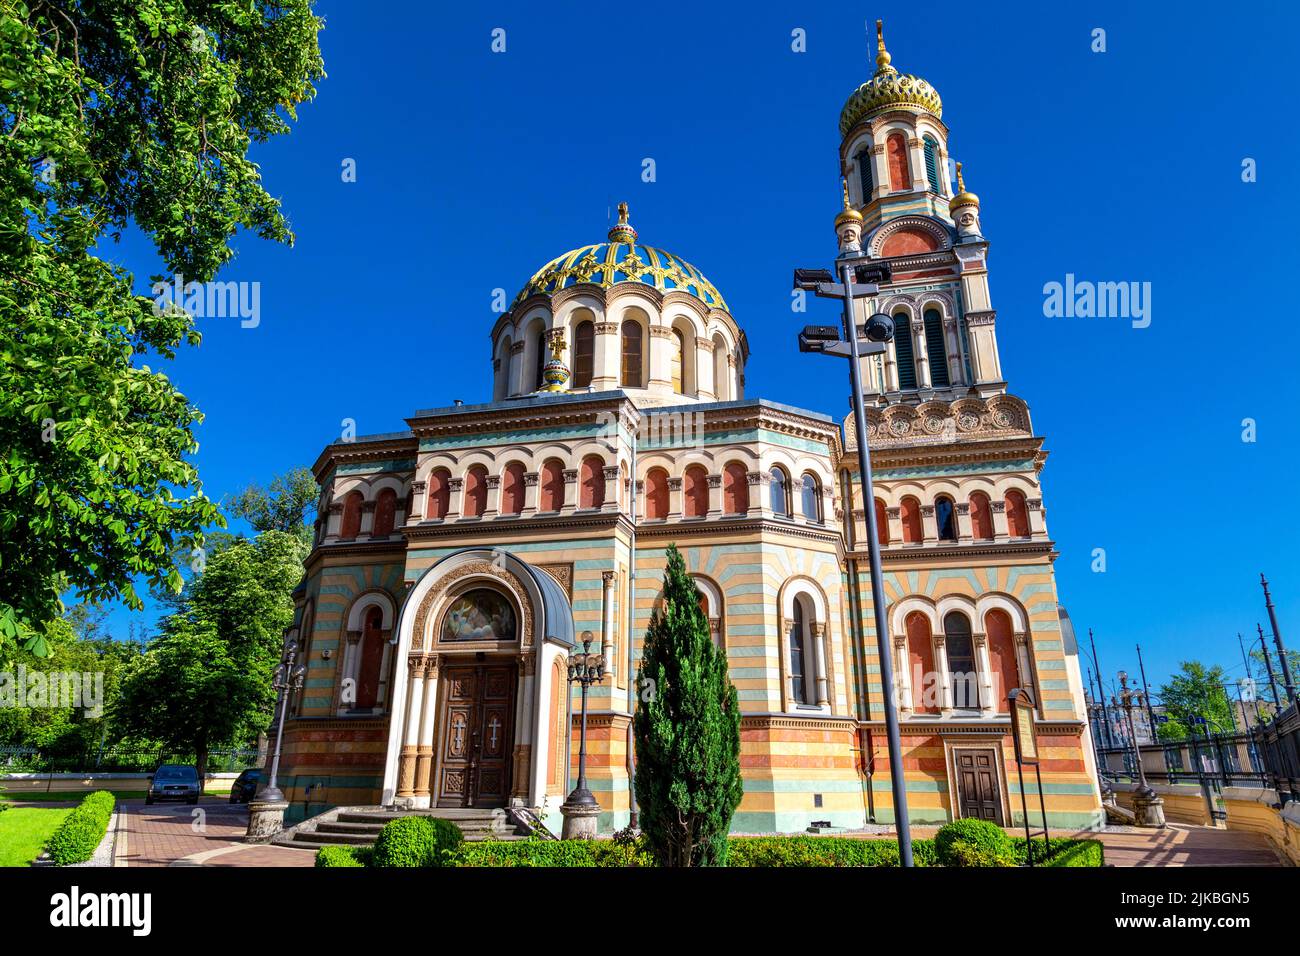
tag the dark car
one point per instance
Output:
(174, 781)
(245, 785)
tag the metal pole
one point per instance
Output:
(634, 811)
(1245, 660)
(1277, 639)
(1146, 693)
(896, 779)
(1024, 811)
(1268, 662)
(1096, 665)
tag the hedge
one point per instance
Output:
(345, 856)
(82, 830)
(416, 841)
(563, 853)
(970, 842)
(1064, 852)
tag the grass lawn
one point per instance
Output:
(24, 831)
(69, 796)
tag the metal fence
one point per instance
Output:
(119, 760)
(1266, 756)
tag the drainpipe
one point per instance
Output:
(634, 810)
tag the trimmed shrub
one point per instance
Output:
(82, 830)
(343, 856)
(558, 853)
(986, 841)
(806, 851)
(416, 841)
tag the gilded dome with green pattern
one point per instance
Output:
(888, 89)
(622, 259)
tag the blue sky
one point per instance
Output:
(475, 168)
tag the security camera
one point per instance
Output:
(879, 328)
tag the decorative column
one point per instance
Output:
(755, 482)
(638, 500)
(965, 533)
(531, 479)
(454, 488)
(605, 368)
(607, 647)
(662, 346)
(940, 644)
(988, 706)
(674, 499)
(922, 354)
(929, 526)
(1037, 517)
(516, 376)
(411, 728)
(894, 516)
(819, 654)
(419, 497)
(705, 389)
(916, 161)
(424, 748)
(956, 368)
(715, 497)
(880, 172)
(902, 676)
(333, 523)
(612, 488)
(347, 671)
(493, 506)
(570, 491)
(999, 509)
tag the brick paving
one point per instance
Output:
(159, 835)
(1183, 845)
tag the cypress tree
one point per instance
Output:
(687, 729)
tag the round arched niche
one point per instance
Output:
(908, 242)
(479, 613)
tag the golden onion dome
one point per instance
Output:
(848, 213)
(622, 259)
(963, 198)
(888, 89)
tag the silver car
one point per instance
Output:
(174, 781)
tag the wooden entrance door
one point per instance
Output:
(977, 785)
(475, 715)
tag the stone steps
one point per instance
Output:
(360, 827)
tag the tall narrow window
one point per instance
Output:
(679, 354)
(911, 514)
(735, 489)
(932, 164)
(551, 486)
(351, 524)
(385, 513)
(721, 370)
(1017, 515)
(903, 351)
(926, 688)
(696, 489)
(656, 494)
(981, 517)
(777, 485)
(539, 359)
(962, 674)
(810, 495)
(512, 489)
(864, 161)
(439, 494)
(882, 523)
(1002, 656)
(798, 688)
(592, 478)
(934, 348)
(584, 353)
(900, 173)
(475, 492)
(945, 516)
(632, 355)
(372, 657)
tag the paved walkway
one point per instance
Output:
(1180, 844)
(177, 835)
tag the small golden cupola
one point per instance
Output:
(848, 224)
(888, 89)
(965, 209)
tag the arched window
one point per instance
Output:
(439, 494)
(900, 173)
(799, 661)
(903, 351)
(721, 370)
(385, 513)
(512, 489)
(962, 673)
(591, 478)
(551, 486)
(679, 357)
(584, 353)
(934, 348)
(372, 659)
(735, 489)
(656, 494)
(810, 498)
(981, 517)
(923, 675)
(945, 518)
(350, 527)
(882, 523)
(475, 492)
(931, 149)
(910, 511)
(1017, 515)
(864, 161)
(539, 358)
(1002, 656)
(501, 383)
(695, 487)
(632, 369)
(777, 492)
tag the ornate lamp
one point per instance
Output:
(266, 811)
(580, 808)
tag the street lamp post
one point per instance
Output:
(878, 330)
(1268, 663)
(1287, 682)
(1148, 808)
(580, 808)
(266, 810)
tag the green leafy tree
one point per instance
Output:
(206, 681)
(119, 113)
(1197, 691)
(687, 731)
(287, 504)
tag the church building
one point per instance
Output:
(458, 563)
